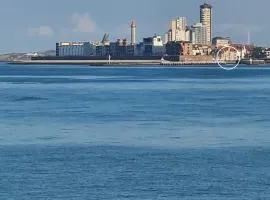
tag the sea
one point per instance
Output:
(115, 133)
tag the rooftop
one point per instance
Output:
(205, 5)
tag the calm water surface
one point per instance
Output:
(134, 133)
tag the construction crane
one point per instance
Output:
(105, 39)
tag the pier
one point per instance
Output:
(115, 62)
(85, 62)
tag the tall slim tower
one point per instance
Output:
(206, 20)
(133, 32)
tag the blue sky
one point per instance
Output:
(32, 25)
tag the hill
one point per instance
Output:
(25, 56)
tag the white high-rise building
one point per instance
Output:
(180, 35)
(177, 29)
(199, 34)
(206, 20)
(181, 23)
(188, 35)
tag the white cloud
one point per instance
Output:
(83, 23)
(42, 31)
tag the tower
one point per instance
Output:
(133, 32)
(206, 20)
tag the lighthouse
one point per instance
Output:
(133, 32)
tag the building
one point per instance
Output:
(199, 34)
(201, 50)
(166, 38)
(170, 36)
(181, 23)
(158, 48)
(186, 48)
(177, 29)
(229, 54)
(153, 46)
(64, 49)
(220, 42)
(103, 50)
(180, 35)
(133, 32)
(206, 20)
(265, 52)
(188, 34)
(176, 50)
(118, 48)
(173, 50)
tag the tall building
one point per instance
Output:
(166, 38)
(188, 34)
(172, 30)
(206, 20)
(181, 23)
(170, 36)
(199, 34)
(180, 35)
(133, 32)
(177, 29)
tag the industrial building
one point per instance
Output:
(75, 49)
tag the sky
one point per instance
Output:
(36, 25)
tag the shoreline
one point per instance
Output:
(137, 63)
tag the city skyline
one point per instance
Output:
(35, 30)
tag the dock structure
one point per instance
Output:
(114, 62)
(86, 62)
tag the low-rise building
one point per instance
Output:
(64, 49)
(173, 48)
(153, 46)
(178, 48)
(221, 42)
(229, 54)
(266, 53)
(201, 50)
(187, 48)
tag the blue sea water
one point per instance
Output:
(73, 132)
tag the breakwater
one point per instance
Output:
(86, 62)
(112, 62)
